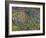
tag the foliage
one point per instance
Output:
(28, 20)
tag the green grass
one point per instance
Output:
(25, 27)
(15, 28)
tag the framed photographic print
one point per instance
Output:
(24, 18)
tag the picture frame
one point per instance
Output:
(13, 5)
